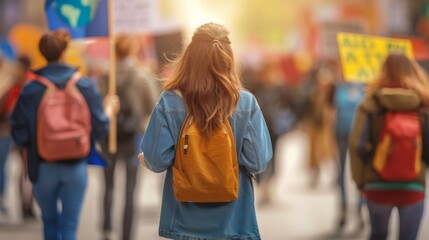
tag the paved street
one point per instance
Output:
(297, 213)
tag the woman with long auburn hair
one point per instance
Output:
(204, 85)
(396, 107)
(207, 77)
(399, 70)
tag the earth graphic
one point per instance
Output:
(76, 13)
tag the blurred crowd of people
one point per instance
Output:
(320, 103)
(136, 84)
(289, 64)
(16, 75)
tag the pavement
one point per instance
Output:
(297, 211)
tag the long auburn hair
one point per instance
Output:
(399, 70)
(207, 78)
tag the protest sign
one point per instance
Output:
(362, 56)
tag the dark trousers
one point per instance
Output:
(131, 178)
(342, 142)
(410, 217)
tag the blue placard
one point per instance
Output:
(82, 18)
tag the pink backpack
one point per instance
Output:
(63, 122)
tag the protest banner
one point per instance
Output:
(362, 55)
(82, 18)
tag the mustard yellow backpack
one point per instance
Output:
(205, 169)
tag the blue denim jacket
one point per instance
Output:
(233, 220)
(24, 117)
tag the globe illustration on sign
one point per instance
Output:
(76, 13)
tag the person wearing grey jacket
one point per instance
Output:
(138, 92)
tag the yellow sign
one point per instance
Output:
(362, 56)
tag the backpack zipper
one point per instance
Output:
(186, 144)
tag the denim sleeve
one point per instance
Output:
(257, 149)
(20, 129)
(158, 143)
(99, 121)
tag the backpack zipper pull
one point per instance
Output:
(186, 144)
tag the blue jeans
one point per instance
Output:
(343, 144)
(409, 220)
(5, 142)
(59, 191)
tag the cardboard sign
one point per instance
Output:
(134, 15)
(362, 56)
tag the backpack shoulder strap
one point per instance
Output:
(44, 81)
(186, 124)
(73, 80)
(230, 132)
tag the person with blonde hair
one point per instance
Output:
(401, 92)
(59, 185)
(204, 84)
(137, 91)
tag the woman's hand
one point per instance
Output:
(111, 105)
(141, 159)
